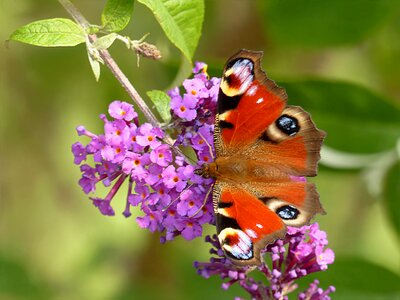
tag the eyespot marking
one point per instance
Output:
(287, 212)
(236, 244)
(238, 77)
(288, 124)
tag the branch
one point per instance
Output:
(111, 64)
(114, 68)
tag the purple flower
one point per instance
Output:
(196, 88)
(122, 111)
(184, 107)
(324, 257)
(171, 179)
(161, 156)
(79, 153)
(148, 136)
(189, 229)
(150, 220)
(291, 259)
(199, 67)
(104, 206)
(163, 185)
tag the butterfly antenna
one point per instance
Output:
(209, 146)
(204, 203)
(172, 202)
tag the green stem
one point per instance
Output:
(114, 68)
(111, 64)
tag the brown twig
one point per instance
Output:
(111, 64)
(114, 68)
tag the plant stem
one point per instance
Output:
(111, 64)
(114, 68)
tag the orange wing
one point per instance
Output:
(244, 224)
(252, 215)
(248, 102)
(253, 118)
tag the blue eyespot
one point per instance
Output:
(287, 212)
(288, 124)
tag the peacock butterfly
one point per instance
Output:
(264, 148)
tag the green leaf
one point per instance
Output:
(355, 119)
(162, 103)
(391, 194)
(116, 14)
(56, 32)
(316, 23)
(105, 42)
(181, 21)
(356, 278)
(95, 65)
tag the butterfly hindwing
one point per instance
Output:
(294, 201)
(292, 142)
(244, 223)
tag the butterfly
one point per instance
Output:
(264, 148)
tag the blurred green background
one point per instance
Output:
(339, 59)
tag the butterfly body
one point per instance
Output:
(264, 148)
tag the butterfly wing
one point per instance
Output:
(248, 102)
(252, 215)
(277, 143)
(292, 143)
(244, 224)
(253, 116)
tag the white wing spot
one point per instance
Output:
(251, 233)
(260, 100)
(252, 90)
(259, 226)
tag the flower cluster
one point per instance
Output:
(301, 252)
(174, 199)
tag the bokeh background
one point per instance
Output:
(339, 59)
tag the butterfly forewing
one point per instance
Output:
(248, 102)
